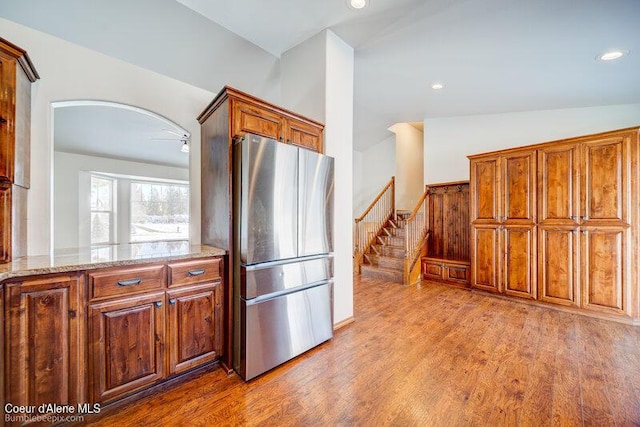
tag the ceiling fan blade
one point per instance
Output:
(173, 132)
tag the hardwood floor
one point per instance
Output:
(427, 355)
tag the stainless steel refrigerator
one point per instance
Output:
(283, 268)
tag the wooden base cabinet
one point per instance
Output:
(195, 335)
(44, 336)
(584, 241)
(147, 323)
(558, 266)
(126, 345)
(445, 271)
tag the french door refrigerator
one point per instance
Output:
(283, 268)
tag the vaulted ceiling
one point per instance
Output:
(491, 56)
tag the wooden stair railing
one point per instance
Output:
(416, 233)
(374, 218)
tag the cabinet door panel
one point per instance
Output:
(45, 353)
(605, 181)
(519, 270)
(194, 335)
(557, 266)
(486, 258)
(485, 189)
(249, 118)
(519, 187)
(126, 341)
(559, 192)
(304, 135)
(458, 274)
(603, 269)
(432, 270)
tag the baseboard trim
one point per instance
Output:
(344, 323)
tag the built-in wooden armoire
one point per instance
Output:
(559, 223)
(447, 257)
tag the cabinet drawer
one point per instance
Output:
(457, 273)
(432, 270)
(191, 272)
(126, 281)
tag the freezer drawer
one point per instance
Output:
(278, 329)
(263, 279)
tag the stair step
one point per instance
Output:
(391, 240)
(385, 262)
(381, 273)
(387, 250)
(397, 232)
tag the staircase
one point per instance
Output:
(385, 258)
(388, 244)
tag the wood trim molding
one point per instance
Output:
(22, 57)
(343, 323)
(579, 139)
(230, 92)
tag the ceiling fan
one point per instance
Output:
(182, 137)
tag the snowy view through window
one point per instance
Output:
(159, 211)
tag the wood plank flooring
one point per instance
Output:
(427, 355)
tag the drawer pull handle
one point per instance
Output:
(131, 282)
(3, 120)
(199, 272)
(159, 304)
(172, 301)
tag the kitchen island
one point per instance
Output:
(94, 325)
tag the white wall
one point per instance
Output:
(378, 166)
(71, 72)
(358, 183)
(447, 141)
(317, 81)
(67, 195)
(409, 165)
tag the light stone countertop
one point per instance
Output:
(67, 260)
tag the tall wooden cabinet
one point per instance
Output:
(16, 75)
(232, 114)
(503, 218)
(559, 222)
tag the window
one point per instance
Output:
(159, 211)
(102, 209)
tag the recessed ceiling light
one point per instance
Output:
(437, 86)
(613, 54)
(358, 4)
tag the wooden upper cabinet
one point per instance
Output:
(304, 134)
(485, 190)
(16, 75)
(251, 118)
(519, 187)
(45, 353)
(558, 178)
(606, 183)
(248, 114)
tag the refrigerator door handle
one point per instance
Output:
(263, 298)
